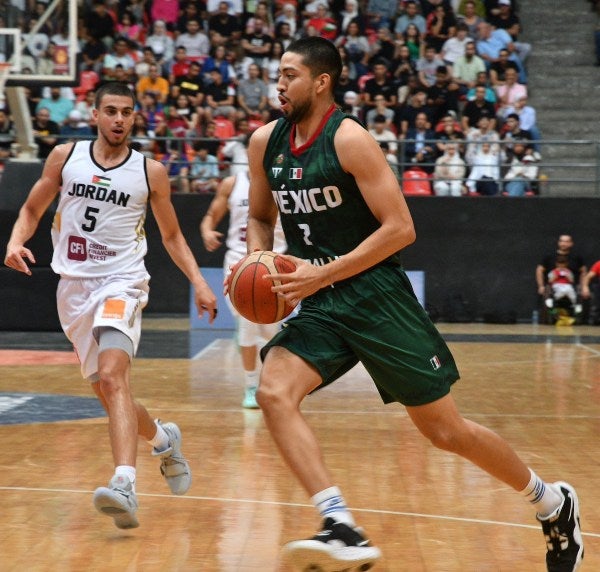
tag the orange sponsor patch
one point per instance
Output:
(114, 308)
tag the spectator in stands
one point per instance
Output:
(210, 139)
(180, 64)
(218, 60)
(411, 16)
(441, 25)
(448, 130)
(412, 39)
(449, 173)
(442, 96)
(143, 137)
(527, 118)
(383, 48)
(256, 43)
(118, 56)
(380, 84)
(190, 11)
(236, 151)
(127, 27)
(289, 16)
(381, 132)
(220, 98)
(466, 68)
(195, 41)
(485, 132)
(223, 27)
(511, 133)
(154, 84)
(507, 19)
(92, 53)
(85, 107)
(562, 295)
(58, 105)
(252, 94)
(161, 44)
(351, 104)
(74, 128)
(270, 73)
(344, 84)
(99, 23)
(499, 67)
(427, 66)
(192, 84)
(510, 92)
(417, 104)
(182, 119)
(402, 69)
(322, 22)
(350, 14)
(490, 92)
(419, 149)
(167, 11)
(523, 171)
(45, 132)
(178, 168)
(236, 7)
(380, 109)
(152, 111)
(455, 46)
(484, 176)
(474, 108)
(204, 170)
(470, 16)
(357, 46)
(263, 12)
(7, 137)
(429, 6)
(380, 14)
(492, 41)
(142, 66)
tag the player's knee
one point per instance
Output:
(446, 438)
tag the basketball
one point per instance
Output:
(251, 295)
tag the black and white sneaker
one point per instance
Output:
(563, 533)
(337, 547)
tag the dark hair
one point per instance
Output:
(513, 116)
(320, 55)
(114, 88)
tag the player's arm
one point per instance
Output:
(216, 211)
(173, 239)
(262, 213)
(40, 197)
(585, 283)
(361, 156)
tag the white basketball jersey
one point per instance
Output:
(98, 228)
(238, 218)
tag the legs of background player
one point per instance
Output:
(286, 379)
(249, 355)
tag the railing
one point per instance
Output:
(565, 168)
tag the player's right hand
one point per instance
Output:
(15, 258)
(212, 240)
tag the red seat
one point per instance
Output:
(416, 182)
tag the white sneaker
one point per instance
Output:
(119, 501)
(249, 401)
(173, 464)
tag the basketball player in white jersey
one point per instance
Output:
(232, 196)
(99, 247)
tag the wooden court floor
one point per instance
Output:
(427, 510)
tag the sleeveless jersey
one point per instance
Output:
(238, 218)
(323, 212)
(98, 229)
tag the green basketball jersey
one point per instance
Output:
(323, 213)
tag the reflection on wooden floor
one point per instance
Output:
(427, 510)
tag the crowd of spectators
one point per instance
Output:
(441, 84)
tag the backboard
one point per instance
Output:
(42, 46)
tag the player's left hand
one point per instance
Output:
(297, 285)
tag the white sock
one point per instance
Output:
(251, 378)
(330, 504)
(160, 441)
(126, 471)
(543, 496)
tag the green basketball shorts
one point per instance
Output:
(373, 318)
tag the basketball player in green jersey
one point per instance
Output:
(345, 221)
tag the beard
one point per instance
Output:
(298, 112)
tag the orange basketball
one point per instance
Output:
(251, 295)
